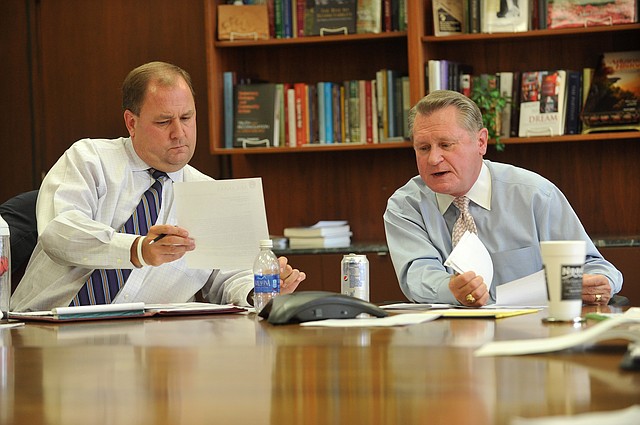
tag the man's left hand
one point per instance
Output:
(595, 289)
(290, 278)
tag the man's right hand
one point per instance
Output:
(171, 247)
(463, 285)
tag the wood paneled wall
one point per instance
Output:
(78, 57)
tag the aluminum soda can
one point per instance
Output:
(355, 276)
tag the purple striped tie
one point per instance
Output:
(103, 284)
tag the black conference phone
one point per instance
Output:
(305, 306)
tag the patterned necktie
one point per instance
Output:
(103, 284)
(464, 221)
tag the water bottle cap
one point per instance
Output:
(266, 243)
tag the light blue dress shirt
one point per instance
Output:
(525, 208)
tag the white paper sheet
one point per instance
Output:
(605, 330)
(396, 320)
(226, 218)
(470, 254)
(529, 291)
(630, 415)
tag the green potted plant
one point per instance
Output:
(487, 96)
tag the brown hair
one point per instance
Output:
(134, 87)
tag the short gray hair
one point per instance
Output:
(469, 116)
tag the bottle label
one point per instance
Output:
(267, 283)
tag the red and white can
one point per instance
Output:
(355, 276)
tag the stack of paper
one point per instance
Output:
(323, 234)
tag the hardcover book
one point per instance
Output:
(542, 106)
(369, 16)
(504, 16)
(612, 102)
(257, 117)
(329, 17)
(574, 102)
(586, 13)
(229, 81)
(448, 17)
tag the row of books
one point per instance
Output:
(557, 102)
(300, 114)
(302, 18)
(452, 17)
(324, 234)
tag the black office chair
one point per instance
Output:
(20, 214)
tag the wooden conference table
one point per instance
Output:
(237, 369)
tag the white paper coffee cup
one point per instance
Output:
(563, 263)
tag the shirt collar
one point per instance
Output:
(137, 164)
(480, 192)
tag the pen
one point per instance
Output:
(157, 238)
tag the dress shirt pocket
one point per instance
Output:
(516, 263)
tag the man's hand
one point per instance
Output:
(463, 285)
(170, 248)
(290, 278)
(595, 289)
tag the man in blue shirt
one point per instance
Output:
(513, 210)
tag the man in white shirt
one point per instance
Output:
(94, 187)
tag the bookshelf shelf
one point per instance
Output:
(623, 135)
(352, 38)
(567, 32)
(335, 147)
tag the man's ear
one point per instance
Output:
(483, 140)
(130, 120)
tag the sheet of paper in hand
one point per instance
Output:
(470, 254)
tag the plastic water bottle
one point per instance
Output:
(5, 268)
(266, 275)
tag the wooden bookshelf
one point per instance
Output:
(303, 59)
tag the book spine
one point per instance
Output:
(300, 125)
(321, 126)
(374, 111)
(382, 104)
(277, 13)
(229, 78)
(347, 112)
(354, 111)
(515, 104)
(574, 102)
(391, 89)
(336, 113)
(300, 16)
(291, 117)
(287, 25)
(328, 112)
(406, 105)
(474, 16)
(387, 16)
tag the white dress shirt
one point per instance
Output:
(91, 191)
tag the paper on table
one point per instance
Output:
(470, 254)
(226, 218)
(630, 415)
(397, 320)
(602, 331)
(527, 291)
